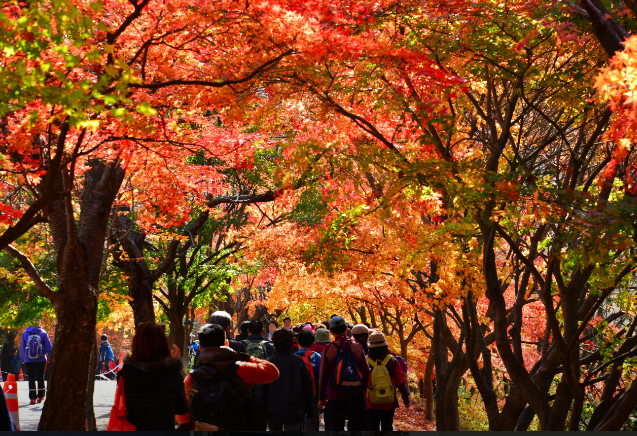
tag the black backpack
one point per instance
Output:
(218, 400)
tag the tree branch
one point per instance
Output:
(43, 289)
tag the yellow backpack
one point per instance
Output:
(381, 390)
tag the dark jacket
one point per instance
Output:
(269, 347)
(5, 418)
(106, 352)
(290, 397)
(154, 393)
(13, 365)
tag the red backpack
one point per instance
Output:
(308, 364)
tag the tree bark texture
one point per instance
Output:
(79, 249)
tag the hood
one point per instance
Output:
(34, 330)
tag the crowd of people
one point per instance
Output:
(279, 380)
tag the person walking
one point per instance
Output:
(224, 319)
(35, 348)
(386, 378)
(312, 361)
(272, 326)
(104, 357)
(321, 339)
(154, 390)
(343, 380)
(360, 332)
(243, 331)
(13, 364)
(220, 386)
(290, 397)
(255, 345)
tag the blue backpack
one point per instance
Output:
(348, 375)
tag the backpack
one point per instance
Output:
(308, 365)
(34, 347)
(105, 352)
(381, 390)
(256, 349)
(218, 400)
(348, 375)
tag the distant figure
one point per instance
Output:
(312, 362)
(387, 375)
(361, 335)
(322, 338)
(287, 323)
(223, 319)
(13, 364)
(104, 357)
(153, 384)
(220, 386)
(290, 397)
(34, 350)
(243, 331)
(272, 327)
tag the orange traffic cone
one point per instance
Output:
(11, 396)
(21, 376)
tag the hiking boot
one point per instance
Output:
(40, 400)
(32, 401)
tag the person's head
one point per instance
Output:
(322, 336)
(378, 347)
(221, 318)
(104, 338)
(243, 328)
(255, 327)
(360, 332)
(283, 340)
(326, 324)
(150, 343)
(337, 325)
(287, 322)
(14, 351)
(273, 326)
(349, 332)
(211, 335)
(306, 338)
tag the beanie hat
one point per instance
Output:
(337, 321)
(377, 339)
(322, 336)
(360, 329)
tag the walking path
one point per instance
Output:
(102, 402)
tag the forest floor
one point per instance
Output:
(413, 419)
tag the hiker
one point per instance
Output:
(343, 381)
(287, 323)
(35, 348)
(224, 319)
(151, 377)
(13, 364)
(104, 357)
(290, 397)
(219, 387)
(312, 362)
(360, 332)
(386, 377)
(272, 327)
(255, 345)
(243, 331)
(321, 339)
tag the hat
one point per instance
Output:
(337, 321)
(377, 339)
(322, 336)
(360, 329)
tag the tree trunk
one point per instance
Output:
(428, 389)
(177, 331)
(91, 423)
(79, 251)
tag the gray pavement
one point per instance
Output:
(102, 402)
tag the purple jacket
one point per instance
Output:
(46, 344)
